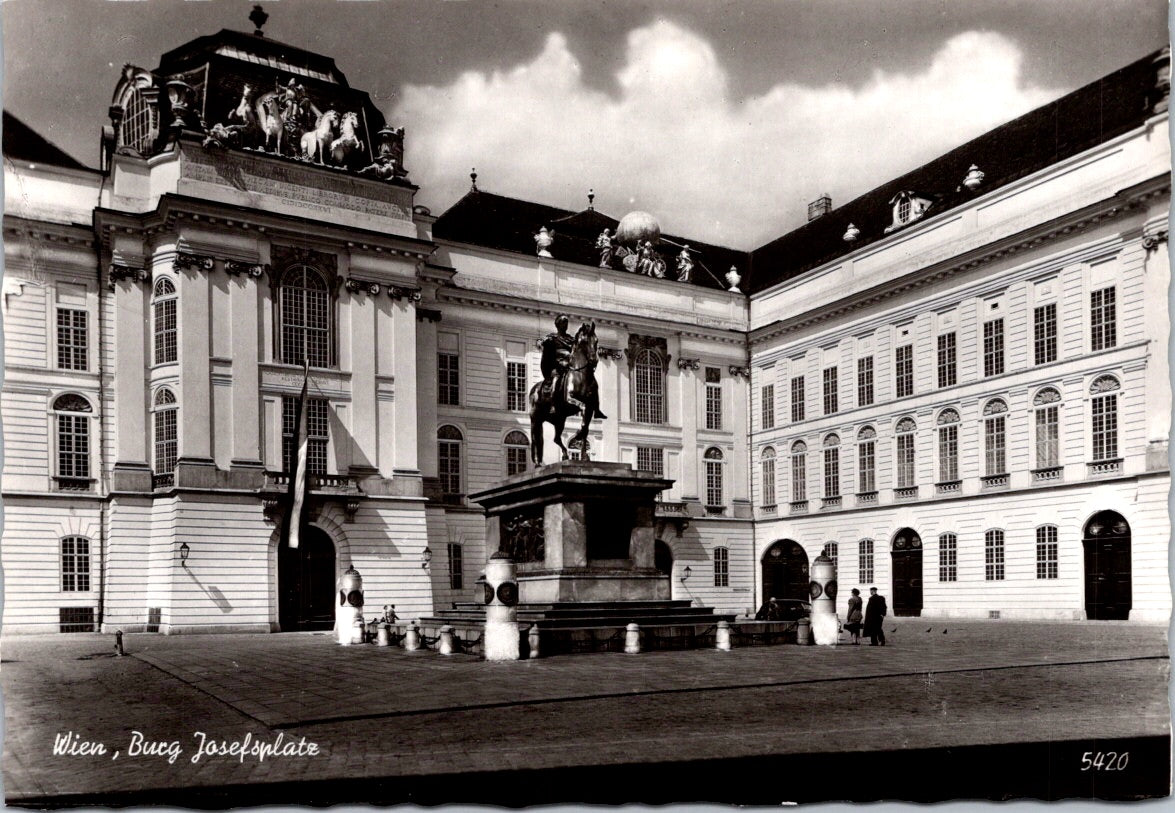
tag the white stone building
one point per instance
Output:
(158, 310)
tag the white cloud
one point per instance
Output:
(674, 142)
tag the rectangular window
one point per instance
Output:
(866, 467)
(906, 476)
(515, 386)
(767, 397)
(1046, 552)
(713, 398)
(832, 472)
(831, 396)
(165, 331)
(1048, 442)
(449, 467)
(865, 561)
(73, 445)
(799, 475)
(721, 567)
(75, 564)
(1105, 427)
(797, 399)
(456, 563)
(948, 453)
(865, 381)
(904, 370)
(768, 481)
(1103, 319)
(1044, 334)
(652, 459)
(993, 556)
(448, 379)
(946, 360)
(993, 347)
(995, 444)
(317, 431)
(714, 482)
(72, 351)
(948, 558)
(516, 459)
(166, 443)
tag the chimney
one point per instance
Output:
(821, 206)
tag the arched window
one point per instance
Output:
(648, 372)
(75, 564)
(948, 557)
(166, 440)
(140, 124)
(517, 447)
(449, 461)
(1048, 428)
(767, 463)
(993, 555)
(73, 442)
(948, 446)
(831, 466)
(1104, 411)
(832, 551)
(866, 460)
(713, 459)
(995, 437)
(163, 308)
(799, 471)
(865, 561)
(721, 567)
(304, 317)
(1046, 552)
(907, 476)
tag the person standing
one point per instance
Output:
(875, 611)
(853, 620)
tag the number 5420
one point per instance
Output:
(1108, 761)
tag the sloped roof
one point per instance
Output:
(509, 224)
(25, 144)
(253, 49)
(1093, 114)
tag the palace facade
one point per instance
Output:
(955, 385)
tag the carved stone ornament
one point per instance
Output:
(974, 178)
(362, 286)
(193, 262)
(689, 364)
(1152, 241)
(285, 256)
(906, 425)
(1046, 396)
(272, 507)
(522, 535)
(637, 343)
(1104, 383)
(739, 372)
(350, 508)
(851, 234)
(948, 416)
(867, 433)
(399, 292)
(610, 353)
(234, 268)
(996, 406)
(121, 272)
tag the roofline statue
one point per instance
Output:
(568, 387)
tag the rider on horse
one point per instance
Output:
(556, 358)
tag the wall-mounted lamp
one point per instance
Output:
(425, 557)
(184, 551)
(687, 573)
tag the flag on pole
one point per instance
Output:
(299, 463)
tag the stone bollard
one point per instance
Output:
(722, 636)
(350, 606)
(532, 639)
(358, 631)
(501, 599)
(822, 588)
(632, 639)
(383, 636)
(412, 638)
(445, 645)
(118, 644)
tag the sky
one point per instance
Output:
(723, 119)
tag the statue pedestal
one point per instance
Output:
(578, 531)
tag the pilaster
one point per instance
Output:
(132, 469)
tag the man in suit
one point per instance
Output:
(875, 611)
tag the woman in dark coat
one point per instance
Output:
(874, 613)
(853, 620)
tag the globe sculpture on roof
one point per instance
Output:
(636, 239)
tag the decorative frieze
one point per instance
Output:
(235, 268)
(398, 292)
(740, 372)
(689, 364)
(362, 286)
(193, 262)
(121, 272)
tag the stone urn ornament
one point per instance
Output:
(543, 241)
(733, 279)
(851, 234)
(974, 178)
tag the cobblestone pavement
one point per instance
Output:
(375, 712)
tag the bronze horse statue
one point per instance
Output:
(575, 391)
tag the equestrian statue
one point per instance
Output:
(568, 387)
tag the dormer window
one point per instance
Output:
(907, 208)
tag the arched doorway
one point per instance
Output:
(306, 583)
(785, 571)
(1107, 567)
(906, 553)
(663, 558)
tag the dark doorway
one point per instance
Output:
(906, 553)
(1107, 568)
(663, 558)
(306, 583)
(785, 571)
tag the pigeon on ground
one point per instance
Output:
(944, 632)
(928, 629)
